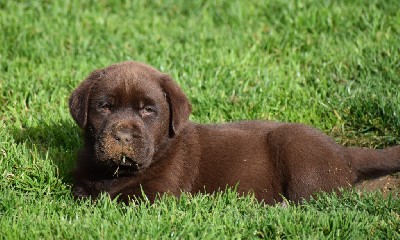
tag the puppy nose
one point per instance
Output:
(123, 136)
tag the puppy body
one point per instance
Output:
(138, 140)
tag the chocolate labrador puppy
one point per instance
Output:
(138, 140)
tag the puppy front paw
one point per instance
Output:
(89, 189)
(80, 192)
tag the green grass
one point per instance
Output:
(331, 64)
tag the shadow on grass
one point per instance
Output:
(58, 142)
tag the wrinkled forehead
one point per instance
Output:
(131, 82)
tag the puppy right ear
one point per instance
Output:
(79, 99)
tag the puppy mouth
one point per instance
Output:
(124, 166)
(126, 161)
(122, 160)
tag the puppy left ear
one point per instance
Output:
(179, 105)
(79, 99)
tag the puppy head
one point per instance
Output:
(128, 111)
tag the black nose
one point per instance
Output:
(123, 136)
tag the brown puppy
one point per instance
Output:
(138, 140)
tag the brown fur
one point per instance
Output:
(138, 139)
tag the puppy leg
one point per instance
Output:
(309, 161)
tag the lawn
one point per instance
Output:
(334, 65)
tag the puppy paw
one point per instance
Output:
(80, 192)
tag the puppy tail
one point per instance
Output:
(373, 163)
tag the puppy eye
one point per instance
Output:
(105, 106)
(147, 111)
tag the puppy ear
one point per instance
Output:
(179, 105)
(79, 99)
